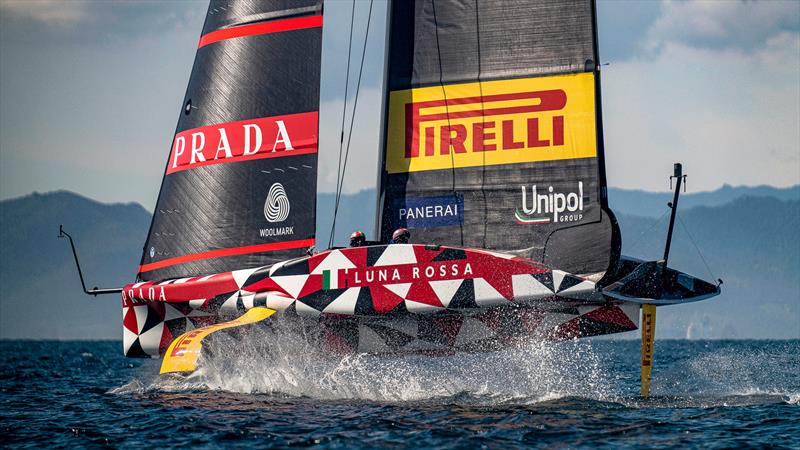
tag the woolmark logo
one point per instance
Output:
(549, 206)
(276, 207)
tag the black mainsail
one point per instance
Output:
(239, 189)
(494, 134)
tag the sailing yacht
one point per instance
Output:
(492, 155)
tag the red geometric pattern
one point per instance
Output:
(392, 298)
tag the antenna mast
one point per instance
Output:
(680, 179)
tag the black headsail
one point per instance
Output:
(493, 135)
(239, 188)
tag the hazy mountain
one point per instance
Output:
(40, 295)
(622, 202)
(751, 242)
(654, 204)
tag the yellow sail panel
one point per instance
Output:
(492, 123)
(184, 351)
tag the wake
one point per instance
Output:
(281, 364)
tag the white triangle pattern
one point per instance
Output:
(344, 303)
(580, 290)
(141, 317)
(292, 284)
(486, 294)
(631, 310)
(334, 260)
(401, 289)
(558, 277)
(197, 303)
(247, 300)
(229, 307)
(304, 310)
(445, 290)
(526, 288)
(241, 276)
(397, 254)
(151, 339)
(276, 266)
(278, 302)
(421, 308)
(128, 338)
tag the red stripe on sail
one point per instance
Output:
(246, 250)
(266, 137)
(255, 29)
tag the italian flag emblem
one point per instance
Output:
(525, 219)
(330, 279)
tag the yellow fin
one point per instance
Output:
(182, 354)
(648, 335)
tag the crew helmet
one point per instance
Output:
(357, 239)
(401, 236)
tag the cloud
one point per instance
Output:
(89, 23)
(714, 85)
(622, 25)
(744, 25)
(47, 11)
(732, 116)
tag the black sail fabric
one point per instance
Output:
(494, 134)
(239, 190)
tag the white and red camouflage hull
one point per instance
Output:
(399, 298)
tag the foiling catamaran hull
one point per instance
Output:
(388, 299)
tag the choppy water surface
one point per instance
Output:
(279, 392)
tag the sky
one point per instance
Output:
(90, 93)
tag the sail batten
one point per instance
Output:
(239, 188)
(494, 135)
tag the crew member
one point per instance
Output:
(400, 236)
(357, 239)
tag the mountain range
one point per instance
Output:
(747, 236)
(653, 204)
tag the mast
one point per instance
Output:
(384, 122)
(679, 178)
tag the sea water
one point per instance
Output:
(269, 390)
